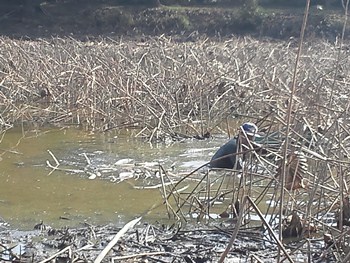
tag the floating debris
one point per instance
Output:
(124, 161)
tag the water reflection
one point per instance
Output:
(29, 194)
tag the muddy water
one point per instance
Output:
(29, 193)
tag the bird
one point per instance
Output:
(226, 155)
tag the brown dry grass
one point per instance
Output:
(163, 87)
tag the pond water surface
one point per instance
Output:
(29, 193)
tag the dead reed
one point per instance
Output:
(166, 89)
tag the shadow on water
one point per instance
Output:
(29, 193)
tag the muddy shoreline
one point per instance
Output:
(150, 243)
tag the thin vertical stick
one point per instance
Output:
(346, 7)
(289, 113)
(235, 232)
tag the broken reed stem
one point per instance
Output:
(115, 239)
(176, 194)
(250, 202)
(176, 198)
(207, 194)
(192, 193)
(134, 256)
(272, 233)
(346, 8)
(167, 205)
(235, 231)
(295, 250)
(289, 114)
(68, 248)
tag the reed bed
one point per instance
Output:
(167, 88)
(164, 88)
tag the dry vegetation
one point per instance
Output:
(169, 89)
(162, 86)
